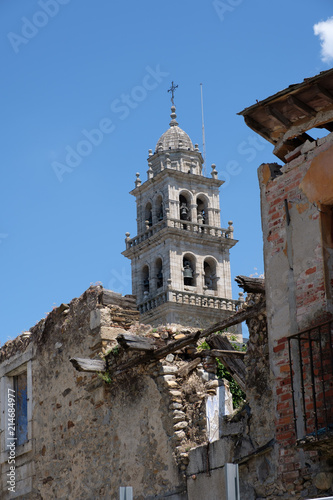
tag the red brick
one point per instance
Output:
(284, 436)
(283, 406)
(285, 420)
(285, 368)
(311, 270)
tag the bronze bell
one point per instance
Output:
(183, 211)
(188, 273)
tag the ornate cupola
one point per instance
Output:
(180, 256)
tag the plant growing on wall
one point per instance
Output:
(238, 396)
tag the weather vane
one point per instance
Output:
(172, 90)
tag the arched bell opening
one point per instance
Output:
(202, 210)
(189, 270)
(145, 280)
(210, 278)
(159, 210)
(159, 273)
(149, 215)
(184, 208)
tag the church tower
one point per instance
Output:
(180, 256)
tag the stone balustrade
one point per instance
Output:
(190, 298)
(193, 227)
(153, 302)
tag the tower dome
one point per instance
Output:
(174, 137)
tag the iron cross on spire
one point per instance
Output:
(172, 90)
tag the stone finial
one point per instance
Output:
(127, 240)
(214, 171)
(137, 180)
(169, 282)
(196, 147)
(173, 117)
(150, 152)
(160, 146)
(150, 173)
(230, 229)
(167, 161)
(241, 297)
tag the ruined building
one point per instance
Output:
(105, 402)
(180, 257)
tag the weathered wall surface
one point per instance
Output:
(90, 438)
(298, 288)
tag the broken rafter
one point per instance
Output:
(249, 284)
(176, 345)
(240, 316)
(156, 354)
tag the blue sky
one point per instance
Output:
(71, 67)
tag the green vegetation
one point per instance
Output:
(238, 396)
(106, 377)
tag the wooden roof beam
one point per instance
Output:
(258, 127)
(302, 106)
(324, 92)
(278, 116)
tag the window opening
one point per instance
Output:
(21, 407)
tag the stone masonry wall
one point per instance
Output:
(91, 435)
(90, 438)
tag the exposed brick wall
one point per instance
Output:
(297, 298)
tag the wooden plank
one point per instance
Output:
(136, 342)
(218, 353)
(88, 365)
(183, 371)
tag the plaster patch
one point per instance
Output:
(318, 181)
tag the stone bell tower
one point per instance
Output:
(180, 256)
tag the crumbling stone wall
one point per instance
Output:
(89, 438)
(92, 435)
